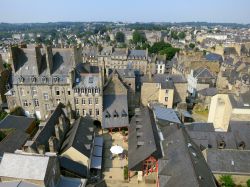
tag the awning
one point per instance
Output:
(96, 162)
(97, 151)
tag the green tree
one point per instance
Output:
(17, 111)
(174, 35)
(170, 52)
(3, 114)
(181, 35)
(248, 183)
(191, 45)
(107, 38)
(226, 181)
(138, 37)
(120, 37)
(158, 46)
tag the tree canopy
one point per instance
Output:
(164, 48)
(138, 37)
(120, 37)
(181, 35)
(226, 181)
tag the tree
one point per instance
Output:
(17, 111)
(226, 181)
(248, 183)
(120, 37)
(138, 37)
(170, 52)
(158, 46)
(191, 45)
(107, 38)
(174, 35)
(181, 35)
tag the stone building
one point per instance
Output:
(157, 89)
(226, 107)
(88, 91)
(44, 77)
(121, 58)
(4, 77)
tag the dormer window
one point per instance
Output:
(44, 79)
(107, 115)
(116, 115)
(33, 79)
(56, 79)
(124, 114)
(21, 79)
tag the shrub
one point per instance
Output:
(248, 183)
(226, 181)
(125, 172)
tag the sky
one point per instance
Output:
(28, 11)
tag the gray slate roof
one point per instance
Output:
(115, 104)
(143, 140)
(226, 161)
(182, 163)
(80, 135)
(166, 114)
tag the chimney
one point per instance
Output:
(38, 59)
(1, 64)
(13, 50)
(41, 149)
(53, 144)
(58, 132)
(49, 59)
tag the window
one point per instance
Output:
(33, 91)
(83, 101)
(56, 79)
(115, 114)
(21, 79)
(96, 101)
(57, 91)
(44, 79)
(22, 92)
(33, 79)
(124, 114)
(47, 107)
(58, 101)
(97, 113)
(83, 112)
(90, 101)
(76, 101)
(25, 103)
(68, 92)
(89, 90)
(96, 90)
(46, 96)
(166, 99)
(90, 112)
(77, 111)
(36, 102)
(107, 115)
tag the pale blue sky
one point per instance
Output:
(19, 11)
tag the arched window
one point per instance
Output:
(33, 79)
(107, 115)
(115, 114)
(44, 79)
(56, 79)
(21, 79)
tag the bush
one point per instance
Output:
(18, 111)
(226, 181)
(125, 172)
(248, 183)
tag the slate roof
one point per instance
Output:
(17, 122)
(15, 140)
(42, 136)
(227, 161)
(213, 57)
(166, 114)
(24, 166)
(143, 140)
(18, 136)
(230, 51)
(73, 167)
(182, 160)
(165, 80)
(202, 73)
(113, 104)
(137, 54)
(80, 136)
(208, 91)
(197, 126)
(28, 66)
